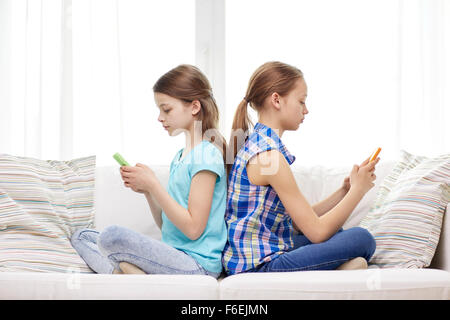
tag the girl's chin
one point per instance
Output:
(174, 132)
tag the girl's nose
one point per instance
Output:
(306, 111)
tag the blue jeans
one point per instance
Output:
(328, 255)
(104, 251)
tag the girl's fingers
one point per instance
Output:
(127, 174)
(371, 166)
(374, 163)
(365, 162)
(127, 168)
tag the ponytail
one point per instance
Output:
(240, 127)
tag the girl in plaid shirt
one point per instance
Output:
(264, 203)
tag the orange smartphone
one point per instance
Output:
(375, 154)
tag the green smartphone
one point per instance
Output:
(120, 159)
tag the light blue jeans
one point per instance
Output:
(103, 251)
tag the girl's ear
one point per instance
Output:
(275, 100)
(196, 107)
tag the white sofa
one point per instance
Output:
(115, 204)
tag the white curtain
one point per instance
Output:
(424, 76)
(76, 76)
(377, 72)
(30, 42)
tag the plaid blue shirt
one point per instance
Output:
(259, 229)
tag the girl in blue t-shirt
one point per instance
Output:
(190, 211)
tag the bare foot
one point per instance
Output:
(130, 268)
(117, 271)
(354, 264)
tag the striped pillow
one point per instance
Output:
(406, 216)
(41, 204)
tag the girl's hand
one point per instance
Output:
(362, 177)
(346, 184)
(139, 178)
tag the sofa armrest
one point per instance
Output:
(441, 259)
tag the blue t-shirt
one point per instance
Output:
(207, 249)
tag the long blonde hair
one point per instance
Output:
(273, 76)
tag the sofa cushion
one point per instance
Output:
(51, 286)
(41, 204)
(335, 284)
(333, 178)
(318, 182)
(406, 216)
(441, 259)
(117, 205)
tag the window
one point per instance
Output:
(118, 56)
(349, 60)
(77, 76)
